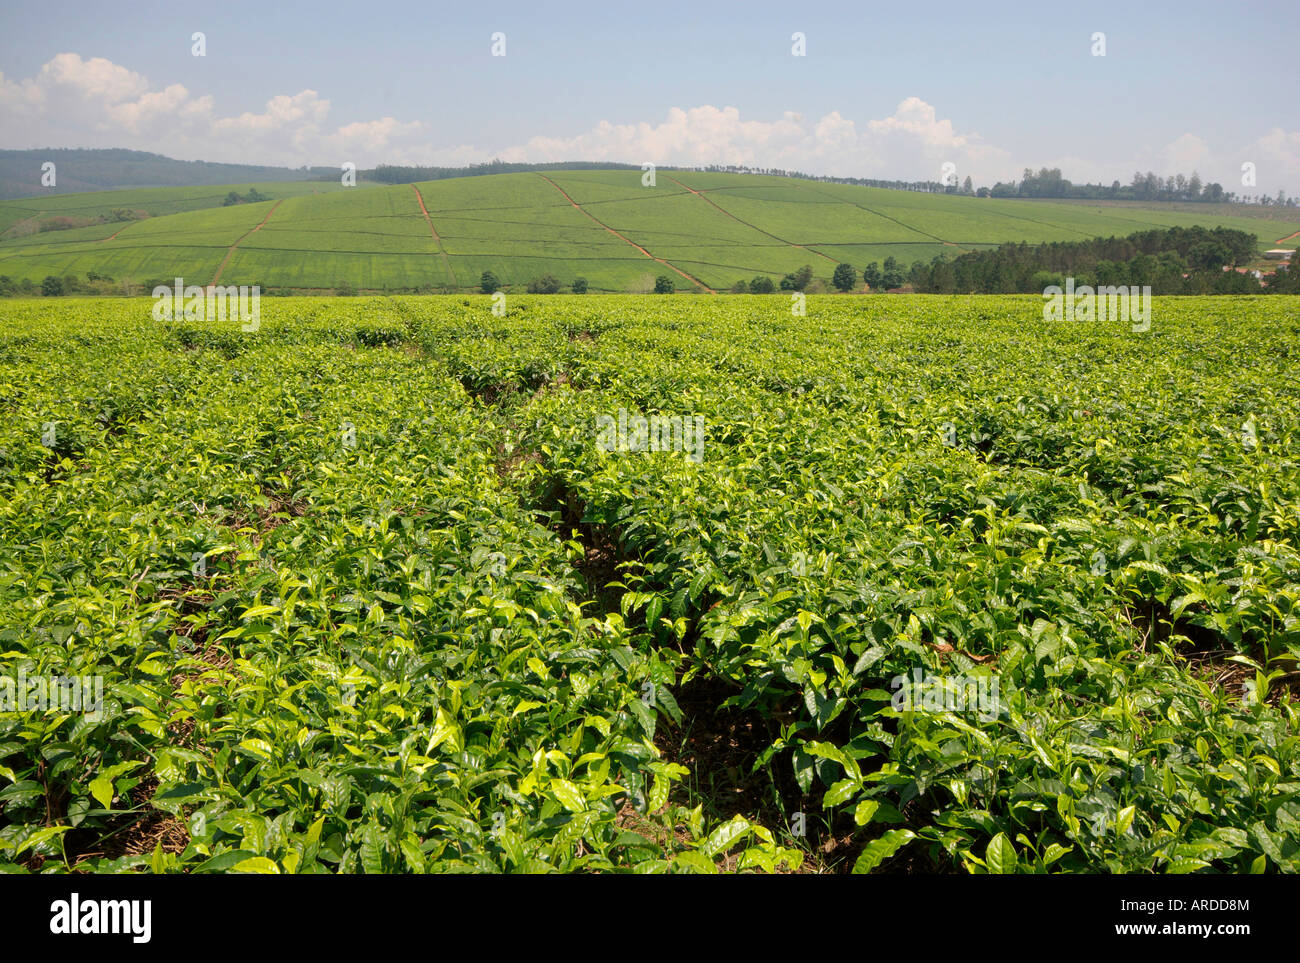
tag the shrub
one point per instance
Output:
(379, 336)
(546, 284)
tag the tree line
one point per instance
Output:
(1047, 183)
(1144, 187)
(1177, 260)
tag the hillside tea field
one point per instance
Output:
(705, 230)
(395, 585)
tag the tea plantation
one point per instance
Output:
(366, 592)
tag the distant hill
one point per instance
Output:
(704, 230)
(79, 170)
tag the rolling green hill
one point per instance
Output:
(93, 169)
(707, 230)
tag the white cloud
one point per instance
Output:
(1276, 156)
(97, 103)
(912, 144)
(75, 102)
(1184, 154)
(94, 79)
(148, 110)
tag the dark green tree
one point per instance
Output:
(52, 287)
(1286, 280)
(1208, 255)
(579, 285)
(664, 284)
(489, 283)
(761, 285)
(845, 277)
(891, 275)
(871, 276)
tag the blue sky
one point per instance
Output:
(885, 90)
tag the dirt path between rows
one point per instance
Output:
(754, 227)
(626, 240)
(230, 253)
(1287, 238)
(436, 239)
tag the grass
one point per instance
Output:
(601, 225)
